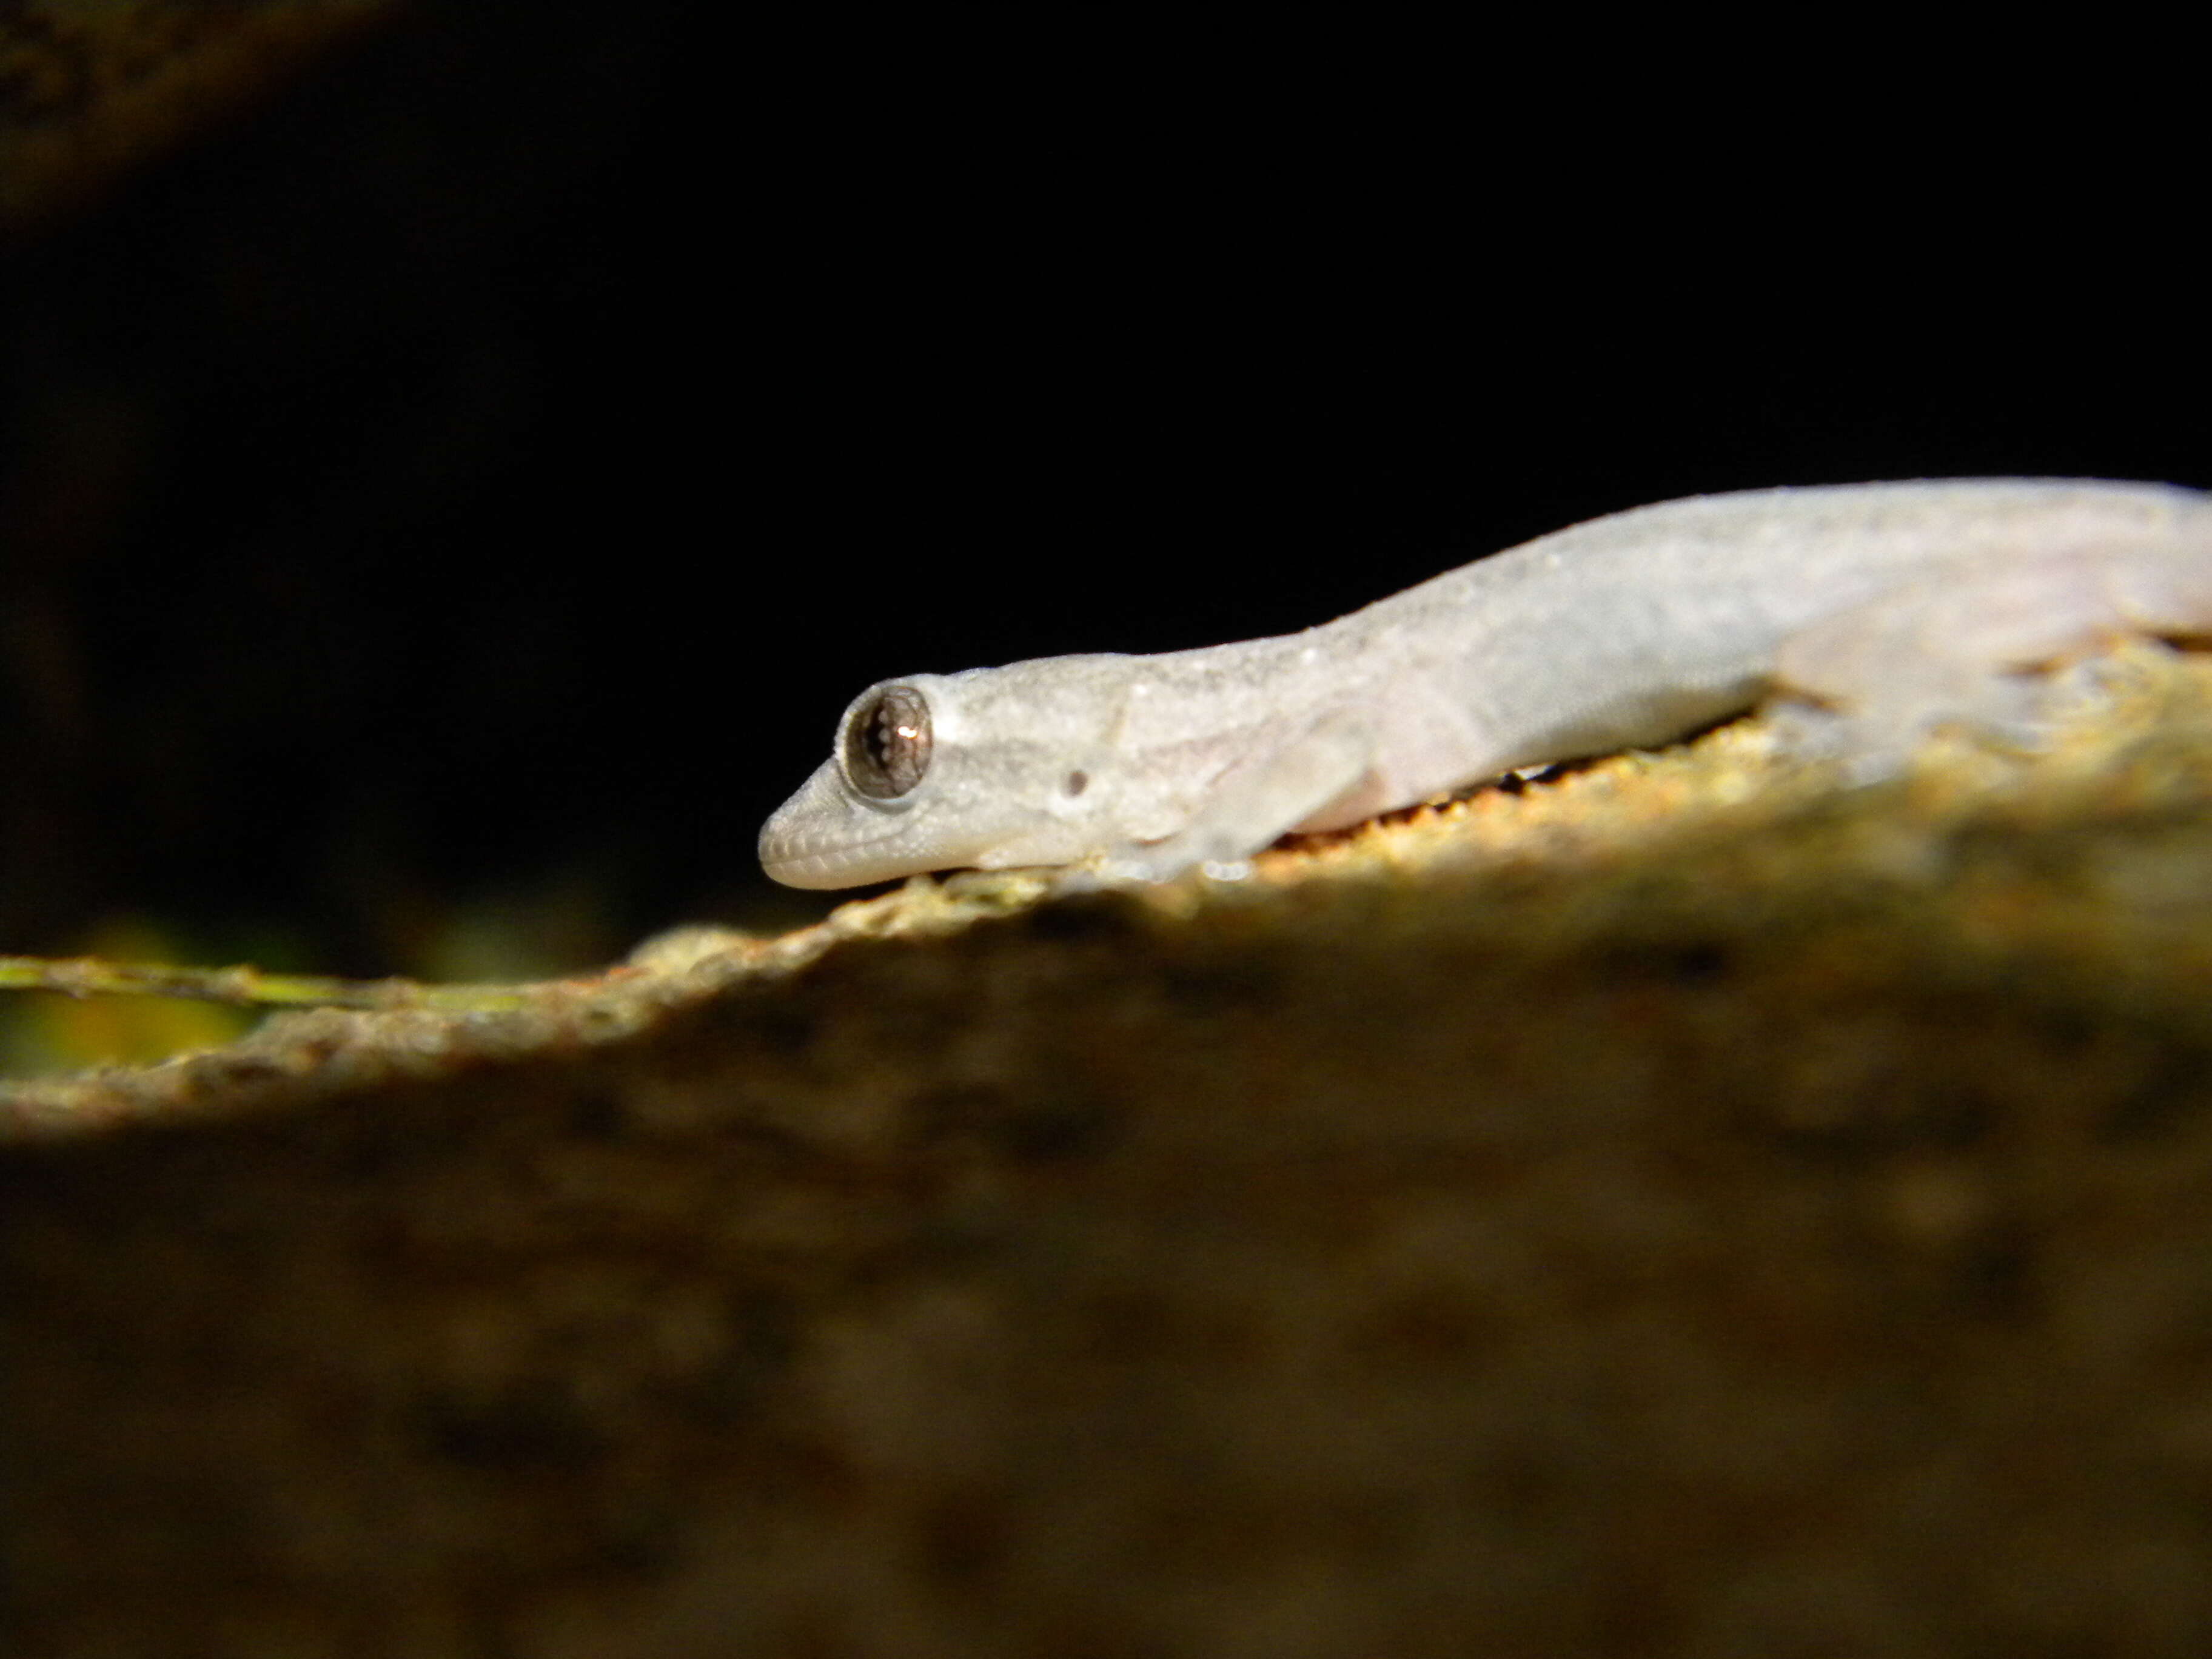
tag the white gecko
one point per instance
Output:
(1893, 607)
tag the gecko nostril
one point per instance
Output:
(1077, 782)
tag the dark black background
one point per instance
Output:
(494, 464)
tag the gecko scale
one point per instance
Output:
(1893, 607)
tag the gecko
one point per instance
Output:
(1879, 610)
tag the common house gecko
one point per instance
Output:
(1884, 610)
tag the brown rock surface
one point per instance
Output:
(87, 93)
(1676, 1209)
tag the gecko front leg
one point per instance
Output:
(1319, 774)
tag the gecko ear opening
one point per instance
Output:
(885, 747)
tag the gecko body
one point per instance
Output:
(1891, 607)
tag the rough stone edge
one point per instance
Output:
(1624, 817)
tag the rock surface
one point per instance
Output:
(1677, 1207)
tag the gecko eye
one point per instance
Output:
(887, 742)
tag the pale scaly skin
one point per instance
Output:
(1891, 608)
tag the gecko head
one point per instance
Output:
(932, 772)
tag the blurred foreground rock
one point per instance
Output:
(1677, 1209)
